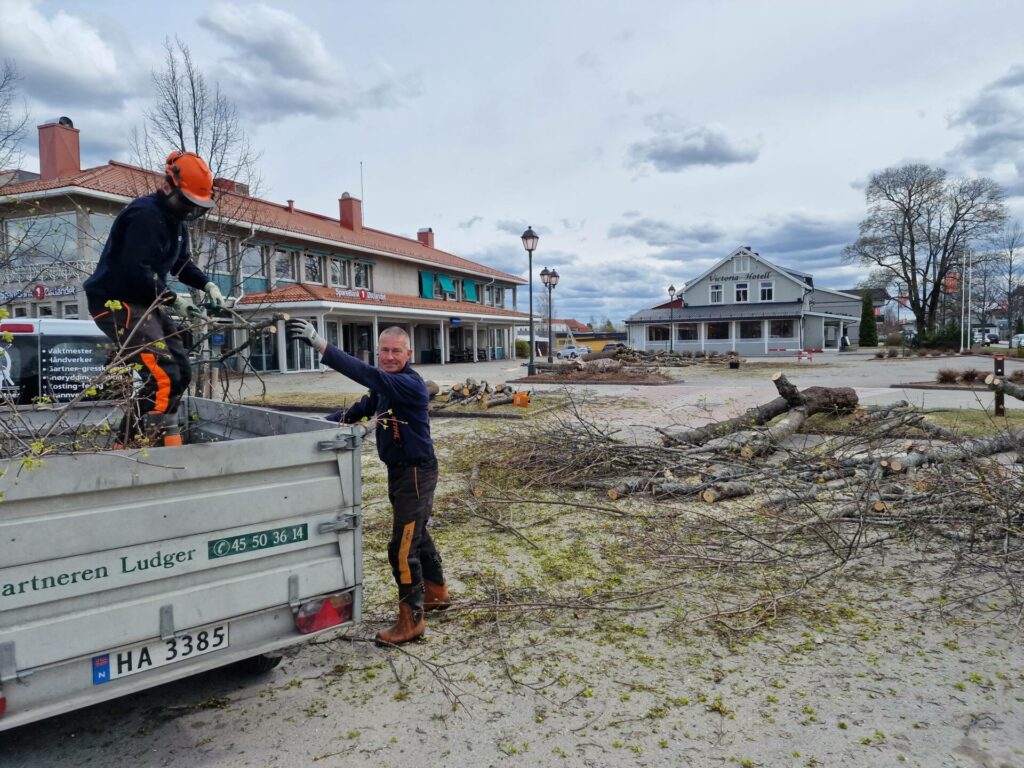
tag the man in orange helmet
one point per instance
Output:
(131, 303)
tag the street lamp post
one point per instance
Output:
(671, 318)
(550, 279)
(530, 240)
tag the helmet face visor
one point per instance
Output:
(184, 208)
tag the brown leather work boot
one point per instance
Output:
(409, 627)
(435, 596)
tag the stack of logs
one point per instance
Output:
(469, 392)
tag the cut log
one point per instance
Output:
(726, 491)
(752, 417)
(1006, 387)
(432, 388)
(474, 481)
(491, 402)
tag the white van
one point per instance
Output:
(51, 358)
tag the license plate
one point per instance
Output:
(159, 653)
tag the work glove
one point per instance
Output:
(183, 306)
(303, 330)
(213, 295)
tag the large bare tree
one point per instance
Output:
(192, 114)
(919, 227)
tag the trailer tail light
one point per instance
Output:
(3, 703)
(323, 612)
(16, 328)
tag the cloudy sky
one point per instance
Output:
(643, 141)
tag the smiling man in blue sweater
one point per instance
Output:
(397, 404)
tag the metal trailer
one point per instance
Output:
(123, 570)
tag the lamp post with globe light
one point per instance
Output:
(530, 241)
(550, 280)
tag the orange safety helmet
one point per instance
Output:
(189, 173)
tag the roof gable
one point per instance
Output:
(744, 251)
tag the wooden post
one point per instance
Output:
(998, 362)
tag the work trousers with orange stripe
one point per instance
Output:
(147, 336)
(411, 552)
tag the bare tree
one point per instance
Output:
(985, 287)
(13, 119)
(1009, 241)
(919, 227)
(191, 114)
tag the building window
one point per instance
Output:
(742, 292)
(718, 331)
(250, 260)
(741, 263)
(767, 290)
(339, 273)
(313, 269)
(71, 311)
(781, 329)
(363, 275)
(284, 265)
(751, 329)
(657, 333)
(216, 255)
(499, 296)
(45, 310)
(687, 332)
(96, 238)
(21, 311)
(716, 293)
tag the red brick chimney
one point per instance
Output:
(59, 151)
(351, 212)
(426, 236)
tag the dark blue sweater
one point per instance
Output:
(146, 244)
(398, 401)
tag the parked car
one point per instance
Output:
(613, 345)
(1017, 342)
(992, 338)
(571, 352)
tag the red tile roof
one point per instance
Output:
(130, 181)
(573, 325)
(305, 292)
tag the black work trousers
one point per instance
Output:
(147, 337)
(411, 552)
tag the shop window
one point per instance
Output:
(250, 259)
(313, 269)
(687, 332)
(718, 331)
(71, 311)
(21, 311)
(657, 333)
(363, 275)
(767, 290)
(751, 329)
(339, 273)
(284, 265)
(716, 293)
(742, 292)
(45, 310)
(781, 329)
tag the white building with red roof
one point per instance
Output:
(350, 279)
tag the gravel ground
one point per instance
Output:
(900, 657)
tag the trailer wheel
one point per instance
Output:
(258, 665)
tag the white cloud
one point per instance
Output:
(277, 66)
(61, 58)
